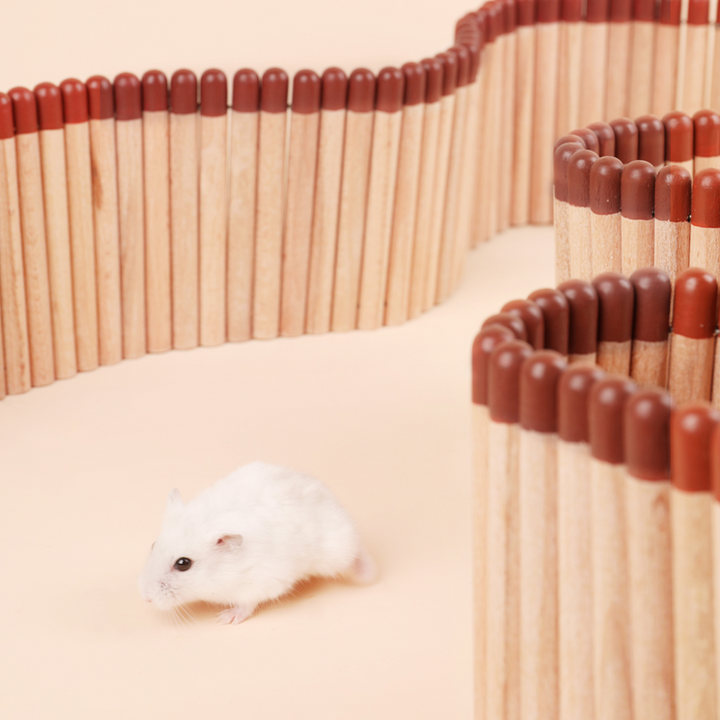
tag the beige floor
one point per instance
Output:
(382, 417)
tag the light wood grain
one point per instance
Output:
(562, 241)
(691, 92)
(638, 244)
(715, 77)
(664, 93)
(568, 105)
(641, 68)
(691, 368)
(618, 69)
(649, 363)
(523, 121)
(672, 247)
(701, 163)
(614, 357)
(507, 134)
(705, 249)
(715, 391)
(480, 226)
(580, 242)
(606, 234)
(593, 73)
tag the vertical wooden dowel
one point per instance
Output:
(642, 56)
(615, 322)
(666, 56)
(579, 214)
(637, 200)
(561, 210)
(714, 98)
(507, 136)
(691, 92)
(672, 212)
(594, 62)
(705, 222)
(707, 140)
(619, 58)
(605, 217)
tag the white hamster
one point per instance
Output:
(249, 539)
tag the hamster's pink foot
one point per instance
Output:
(234, 615)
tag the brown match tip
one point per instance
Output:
(274, 90)
(571, 10)
(647, 430)
(698, 12)
(569, 138)
(246, 91)
(715, 461)
(510, 16)
(597, 11)
(695, 310)
(509, 320)
(691, 432)
(433, 79)
(450, 69)
(483, 345)
(644, 10)
(578, 177)
(390, 90)
(679, 137)
(101, 100)
(128, 97)
(24, 110)
(526, 12)
(498, 18)
(670, 12)
(556, 316)
(573, 398)
(474, 49)
(539, 377)
(589, 138)
(605, 179)
(605, 136)
(620, 11)
(306, 92)
(606, 412)
(651, 139)
(653, 291)
(561, 159)
(213, 93)
(707, 133)
(705, 210)
(75, 103)
(463, 62)
(637, 190)
(7, 125)
(183, 92)
(504, 380)
(672, 194)
(334, 89)
(583, 302)
(467, 33)
(548, 11)
(154, 91)
(361, 91)
(626, 139)
(491, 27)
(414, 83)
(616, 298)
(532, 317)
(49, 102)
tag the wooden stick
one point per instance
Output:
(651, 140)
(302, 164)
(156, 169)
(705, 222)
(679, 139)
(691, 93)
(493, 124)
(57, 227)
(715, 76)
(481, 219)
(707, 140)
(12, 277)
(642, 55)
(327, 201)
(619, 58)
(605, 217)
(243, 189)
(507, 137)
(579, 214)
(638, 228)
(715, 484)
(583, 320)
(32, 221)
(570, 49)
(353, 198)
(615, 322)
(103, 158)
(593, 64)
(666, 56)
(561, 158)
(184, 210)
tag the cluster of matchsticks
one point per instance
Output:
(597, 536)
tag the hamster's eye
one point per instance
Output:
(183, 564)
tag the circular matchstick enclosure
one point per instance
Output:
(168, 208)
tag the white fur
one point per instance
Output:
(251, 537)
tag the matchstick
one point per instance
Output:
(406, 196)
(570, 52)
(507, 149)
(575, 618)
(426, 184)
(57, 225)
(156, 169)
(539, 377)
(524, 93)
(605, 136)
(353, 198)
(269, 218)
(666, 57)
(692, 343)
(705, 222)
(679, 140)
(381, 198)
(651, 140)
(103, 158)
(588, 136)
(715, 478)
(302, 165)
(642, 53)
(544, 112)
(556, 316)
(714, 68)
(131, 212)
(245, 127)
(692, 91)
(511, 321)
(184, 195)
(651, 327)
(484, 344)
(593, 64)
(582, 325)
(605, 217)
(561, 158)
(13, 304)
(502, 696)
(615, 322)
(707, 140)
(533, 318)
(579, 213)
(327, 200)
(649, 546)
(493, 122)
(610, 587)
(691, 429)
(672, 212)
(32, 223)
(626, 139)
(619, 55)
(637, 199)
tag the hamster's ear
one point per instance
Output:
(174, 501)
(229, 542)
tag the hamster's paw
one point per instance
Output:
(364, 569)
(234, 615)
